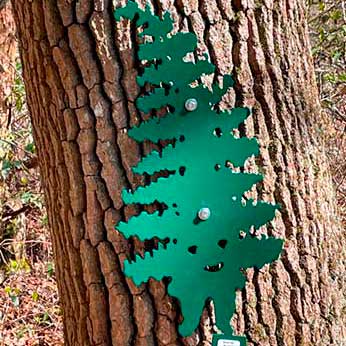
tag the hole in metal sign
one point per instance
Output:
(196, 220)
(182, 170)
(253, 231)
(164, 242)
(242, 235)
(166, 88)
(217, 167)
(192, 249)
(222, 243)
(157, 62)
(175, 241)
(214, 268)
(174, 205)
(229, 164)
(176, 90)
(177, 213)
(167, 280)
(217, 132)
(182, 138)
(171, 109)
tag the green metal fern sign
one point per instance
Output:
(206, 213)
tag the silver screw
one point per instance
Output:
(204, 214)
(191, 105)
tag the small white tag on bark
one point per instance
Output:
(223, 342)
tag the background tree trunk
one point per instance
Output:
(8, 49)
(80, 69)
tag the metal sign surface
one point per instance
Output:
(207, 220)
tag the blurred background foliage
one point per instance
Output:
(29, 304)
(327, 24)
(30, 313)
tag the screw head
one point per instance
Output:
(191, 105)
(204, 214)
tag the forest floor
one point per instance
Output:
(30, 313)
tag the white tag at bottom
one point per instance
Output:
(223, 342)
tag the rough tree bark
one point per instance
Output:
(8, 49)
(80, 69)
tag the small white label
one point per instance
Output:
(223, 342)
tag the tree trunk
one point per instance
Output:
(8, 46)
(80, 69)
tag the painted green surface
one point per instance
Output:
(203, 258)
